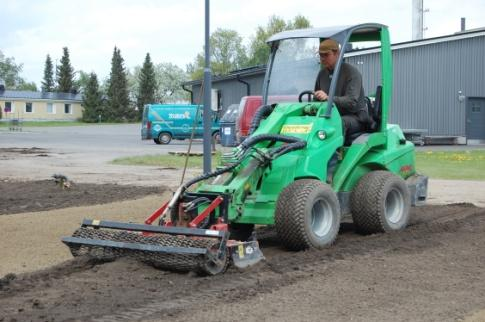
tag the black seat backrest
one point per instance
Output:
(371, 124)
(374, 110)
(377, 108)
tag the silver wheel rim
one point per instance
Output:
(394, 206)
(164, 138)
(321, 220)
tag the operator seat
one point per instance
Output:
(373, 120)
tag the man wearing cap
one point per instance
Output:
(349, 93)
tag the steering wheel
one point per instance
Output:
(310, 95)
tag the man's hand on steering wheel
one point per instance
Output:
(321, 95)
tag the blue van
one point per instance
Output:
(164, 122)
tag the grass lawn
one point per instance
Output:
(463, 165)
(167, 161)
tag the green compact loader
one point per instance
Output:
(296, 171)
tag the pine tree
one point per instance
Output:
(118, 98)
(48, 82)
(65, 73)
(147, 85)
(92, 100)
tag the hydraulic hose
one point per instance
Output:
(211, 174)
(287, 148)
(268, 137)
(294, 144)
(260, 114)
(184, 187)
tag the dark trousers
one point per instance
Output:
(351, 125)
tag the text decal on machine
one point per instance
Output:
(296, 129)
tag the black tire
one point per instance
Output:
(157, 141)
(307, 215)
(380, 203)
(164, 137)
(240, 232)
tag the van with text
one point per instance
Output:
(164, 122)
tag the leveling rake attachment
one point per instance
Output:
(205, 251)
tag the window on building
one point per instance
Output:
(67, 109)
(51, 108)
(28, 107)
(8, 107)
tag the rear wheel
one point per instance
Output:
(164, 138)
(157, 141)
(380, 202)
(307, 215)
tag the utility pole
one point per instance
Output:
(207, 96)
(417, 19)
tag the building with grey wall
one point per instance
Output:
(230, 88)
(438, 84)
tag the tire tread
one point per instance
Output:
(366, 200)
(290, 212)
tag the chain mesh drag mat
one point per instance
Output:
(168, 261)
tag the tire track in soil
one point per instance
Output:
(131, 291)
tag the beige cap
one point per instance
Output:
(328, 45)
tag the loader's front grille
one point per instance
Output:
(169, 261)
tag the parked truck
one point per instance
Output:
(164, 122)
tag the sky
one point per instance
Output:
(173, 30)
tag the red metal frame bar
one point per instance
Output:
(197, 220)
(156, 214)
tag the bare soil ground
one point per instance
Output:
(30, 196)
(432, 271)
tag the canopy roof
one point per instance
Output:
(339, 33)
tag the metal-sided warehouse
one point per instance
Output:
(439, 86)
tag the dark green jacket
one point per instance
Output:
(349, 94)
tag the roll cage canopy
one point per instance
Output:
(343, 35)
(362, 32)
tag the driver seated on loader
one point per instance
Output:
(349, 93)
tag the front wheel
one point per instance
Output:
(307, 215)
(380, 203)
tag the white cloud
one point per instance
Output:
(173, 31)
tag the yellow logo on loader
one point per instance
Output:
(296, 129)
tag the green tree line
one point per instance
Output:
(228, 53)
(123, 94)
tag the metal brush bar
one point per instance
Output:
(154, 229)
(134, 246)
